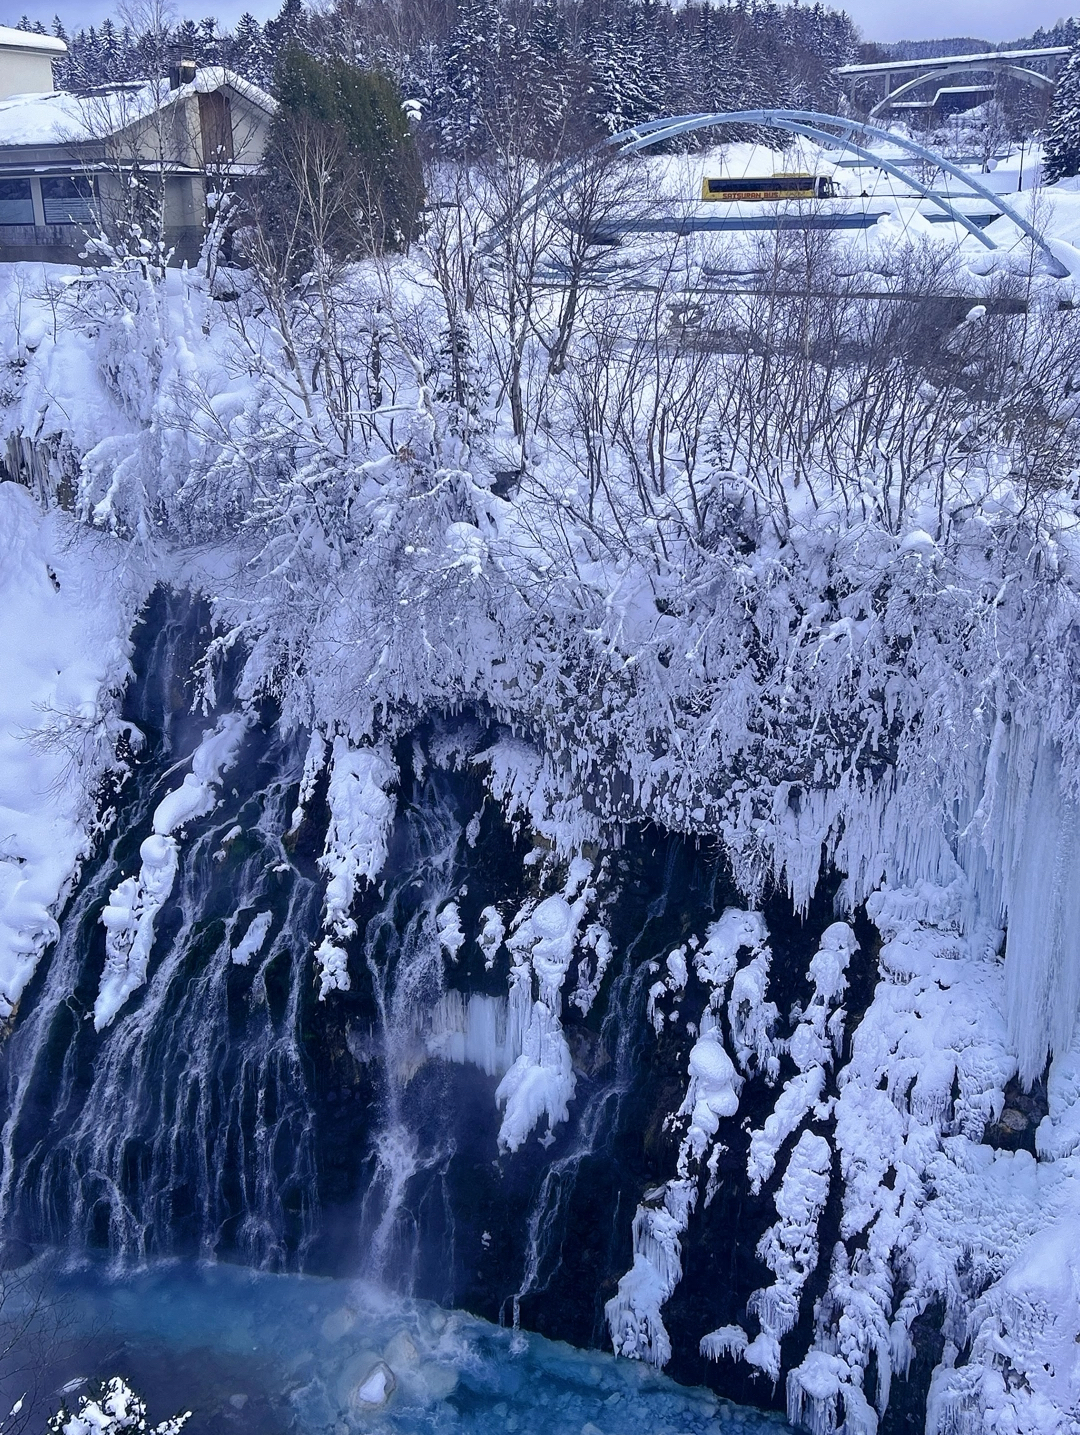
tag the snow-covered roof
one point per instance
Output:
(43, 119)
(62, 118)
(217, 77)
(26, 40)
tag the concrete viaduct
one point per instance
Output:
(896, 81)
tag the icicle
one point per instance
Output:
(472, 1028)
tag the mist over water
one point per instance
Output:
(258, 1354)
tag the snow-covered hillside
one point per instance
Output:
(67, 607)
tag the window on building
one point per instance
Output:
(16, 202)
(67, 200)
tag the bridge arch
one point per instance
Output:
(832, 131)
(839, 132)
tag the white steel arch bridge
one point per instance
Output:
(854, 137)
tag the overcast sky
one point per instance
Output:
(878, 19)
(938, 19)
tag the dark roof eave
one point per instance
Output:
(22, 168)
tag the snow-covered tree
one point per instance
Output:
(1062, 149)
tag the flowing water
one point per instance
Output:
(340, 1159)
(187, 1123)
(258, 1354)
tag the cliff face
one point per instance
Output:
(776, 1153)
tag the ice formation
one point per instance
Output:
(451, 937)
(251, 943)
(133, 905)
(542, 939)
(790, 1250)
(712, 1094)
(813, 1047)
(473, 1028)
(929, 1063)
(361, 813)
(596, 939)
(491, 935)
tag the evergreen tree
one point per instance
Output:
(549, 43)
(618, 81)
(109, 57)
(186, 39)
(208, 44)
(247, 52)
(289, 28)
(1062, 149)
(467, 91)
(340, 137)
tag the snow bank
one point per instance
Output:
(66, 613)
(1023, 1374)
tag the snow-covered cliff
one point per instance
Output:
(824, 614)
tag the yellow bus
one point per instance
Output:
(777, 187)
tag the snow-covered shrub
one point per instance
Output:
(115, 1410)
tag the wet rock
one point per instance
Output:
(338, 1323)
(374, 1391)
(1015, 1128)
(400, 1352)
(587, 1051)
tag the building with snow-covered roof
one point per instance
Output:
(73, 163)
(26, 61)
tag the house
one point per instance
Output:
(148, 152)
(26, 61)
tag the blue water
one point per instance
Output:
(252, 1352)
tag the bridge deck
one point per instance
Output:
(609, 233)
(939, 62)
